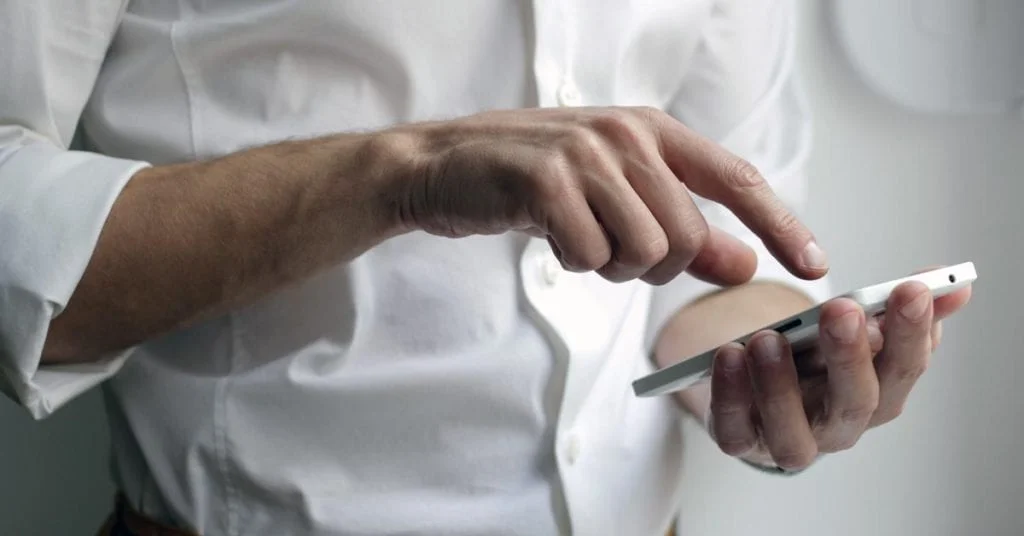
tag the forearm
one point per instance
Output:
(190, 240)
(717, 319)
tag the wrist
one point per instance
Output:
(371, 175)
(398, 162)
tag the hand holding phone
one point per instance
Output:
(801, 330)
(770, 411)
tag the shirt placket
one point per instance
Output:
(574, 321)
(554, 54)
(579, 329)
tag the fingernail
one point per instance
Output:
(916, 309)
(814, 257)
(845, 328)
(732, 358)
(767, 348)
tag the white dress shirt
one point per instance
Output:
(431, 386)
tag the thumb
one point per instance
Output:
(724, 260)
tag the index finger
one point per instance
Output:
(714, 173)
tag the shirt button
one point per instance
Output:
(550, 271)
(569, 95)
(572, 449)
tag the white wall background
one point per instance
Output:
(894, 191)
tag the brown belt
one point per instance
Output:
(125, 521)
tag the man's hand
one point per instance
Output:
(607, 186)
(771, 407)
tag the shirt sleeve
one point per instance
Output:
(741, 90)
(53, 201)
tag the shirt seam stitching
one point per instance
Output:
(220, 430)
(186, 82)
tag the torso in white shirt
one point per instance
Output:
(432, 386)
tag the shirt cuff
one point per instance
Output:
(53, 206)
(685, 289)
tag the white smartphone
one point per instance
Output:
(801, 330)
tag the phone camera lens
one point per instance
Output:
(952, 278)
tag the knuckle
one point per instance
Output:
(785, 224)
(615, 125)
(778, 401)
(888, 415)
(593, 261)
(796, 458)
(685, 243)
(743, 174)
(857, 414)
(591, 258)
(728, 412)
(839, 444)
(849, 362)
(910, 373)
(690, 238)
(583, 144)
(660, 276)
(735, 446)
(608, 119)
(651, 116)
(646, 252)
(651, 112)
(552, 179)
(615, 272)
